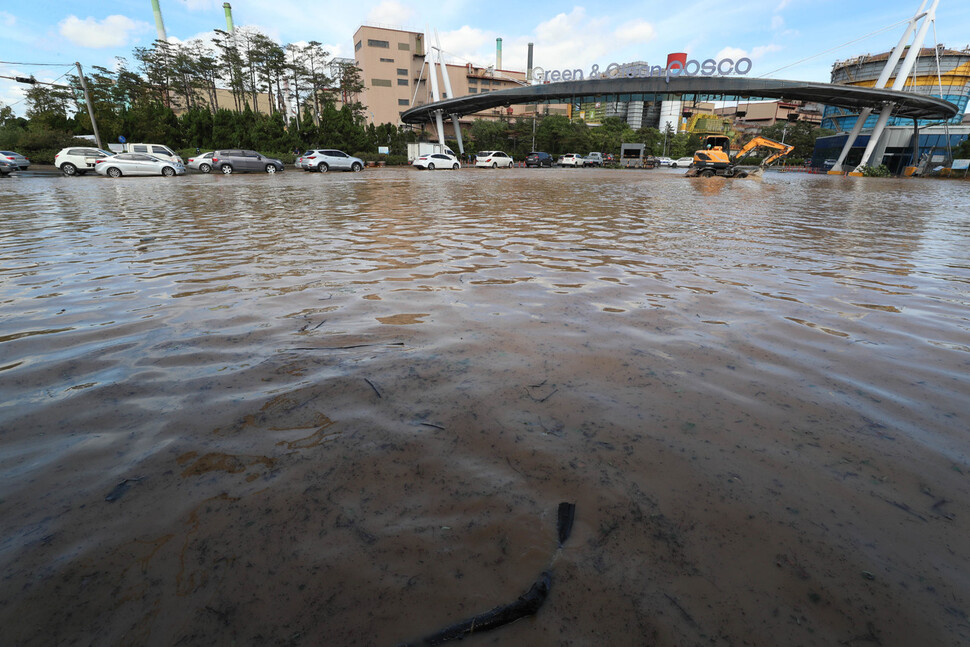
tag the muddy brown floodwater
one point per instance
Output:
(343, 409)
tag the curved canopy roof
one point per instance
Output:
(701, 88)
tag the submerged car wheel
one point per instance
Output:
(168, 171)
(356, 167)
(270, 168)
(323, 168)
(226, 169)
(455, 166)
(114, 171)
(494, 164)
(205, 168)
(431, 166)
(68, 169)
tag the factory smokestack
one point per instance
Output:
(229, 27)
(528, 72)
(498, 53)
(159, 25)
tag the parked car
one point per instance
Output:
(436, 160)
(682, 162)
(327, 159)
(201, 162)
(665, 161)
(239, 160)
(6, 168)
(539, 159)
(17, 159)
(78, 160)
(492, 159)
(593, 159)
(161, 151)
(571, 159)
(137, 164)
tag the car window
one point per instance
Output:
(125, 156)
(160, 150)
(140, 149)
(143, 158)
(206, 156)
(340, 154)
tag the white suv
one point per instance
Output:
(571, 159)
(78, 160)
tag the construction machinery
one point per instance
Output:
(716, 157)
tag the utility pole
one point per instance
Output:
(87, 101)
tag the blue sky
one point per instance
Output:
(773, 33)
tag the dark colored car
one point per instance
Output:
(539, 159)
(236, 160)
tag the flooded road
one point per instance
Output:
(342, 409)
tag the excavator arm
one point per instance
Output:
(781, 149)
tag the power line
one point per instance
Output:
(832, 49)
(38, 64)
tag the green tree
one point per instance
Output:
(47, 107)
(489, 134)
(800, 134)
(963, 150)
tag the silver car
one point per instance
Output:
(137, 164)
(16, 159)
(327, 159)
(201, 162)
(6, 168)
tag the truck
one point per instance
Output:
(155, 150)
(417, 149)
(716, 157)
(593, 159)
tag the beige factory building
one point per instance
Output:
(396, 77)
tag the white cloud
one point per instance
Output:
(7, 20)
(735, 53)
(391, 12)
(113, 31)
(636, 31)
(777, 22)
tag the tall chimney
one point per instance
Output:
(229, 27)
(498, 53)
(159, 25)
(528, 73)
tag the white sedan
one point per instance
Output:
(137, 164)
(571, 159)
(493, 159)
(436, 160)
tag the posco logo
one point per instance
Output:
(674, 68)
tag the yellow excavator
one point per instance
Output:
(716, 158)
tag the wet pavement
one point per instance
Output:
(343, 409)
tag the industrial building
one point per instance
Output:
(395, 67)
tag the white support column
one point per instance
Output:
(447, 82)
(881, 82)
(900, 81)
(435, 95)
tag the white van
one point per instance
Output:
(155, 150)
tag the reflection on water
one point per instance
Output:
(342, 409)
